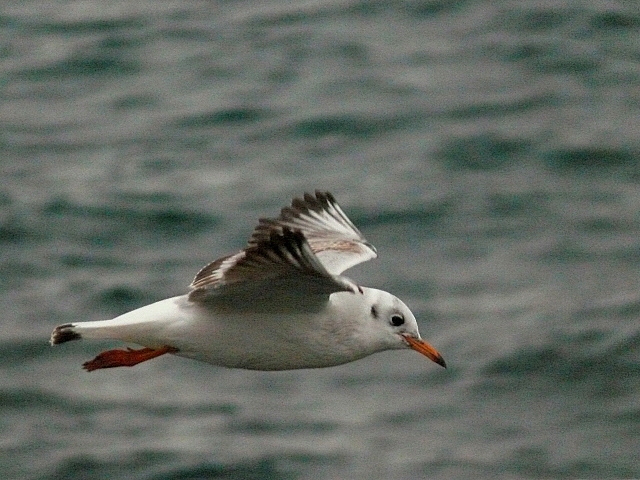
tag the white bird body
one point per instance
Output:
(274, 340)
(279, 304)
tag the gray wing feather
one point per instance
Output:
(278, 268)
(331, 235)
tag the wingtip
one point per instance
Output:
(64, 333)
(371, 247)
(325, 196)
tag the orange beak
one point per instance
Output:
(425, 349)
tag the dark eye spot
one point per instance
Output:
(397, 320)
(374, 311)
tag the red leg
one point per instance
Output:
(125, 358)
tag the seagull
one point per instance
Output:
(280, 303)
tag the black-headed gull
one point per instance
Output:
(280, 303)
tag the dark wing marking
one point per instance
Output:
(282, 266)
(331, 235)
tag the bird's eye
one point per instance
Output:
(397, 320)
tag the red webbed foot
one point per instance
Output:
(125, 358)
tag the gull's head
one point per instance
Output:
(397, 325)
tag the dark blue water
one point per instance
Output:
(490, 151)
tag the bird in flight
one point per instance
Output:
(280, 303)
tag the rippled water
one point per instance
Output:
(489, 150)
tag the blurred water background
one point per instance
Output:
(490, 150)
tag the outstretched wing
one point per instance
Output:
(334, 239)
(277, 272)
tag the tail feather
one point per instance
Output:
(64, 333)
